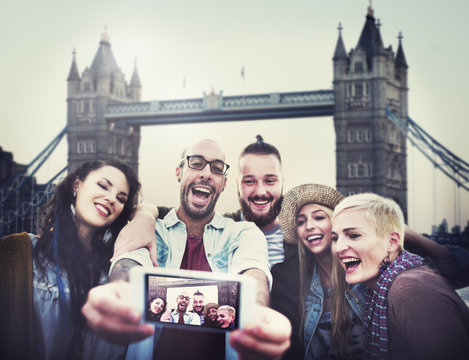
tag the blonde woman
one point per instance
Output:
(412, 312)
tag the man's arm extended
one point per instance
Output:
(121, 270)
(262, 294)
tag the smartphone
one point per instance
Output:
(196, 300)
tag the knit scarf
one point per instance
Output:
(376, 318)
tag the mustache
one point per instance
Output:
(260, 198)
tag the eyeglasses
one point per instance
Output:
(184, 297)
(217, 167)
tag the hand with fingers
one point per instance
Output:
(138, 233)
(110, 314)
(267, 336)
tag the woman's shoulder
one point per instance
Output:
(420, 282)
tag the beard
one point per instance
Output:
(263, 219)
(194, 212)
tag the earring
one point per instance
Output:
(385, 263)
(107, 236)
(72, 206)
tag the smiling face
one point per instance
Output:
(200, 189)
(157, 306)
(224, 318)
(198, 303)
(212, 314)
(260, 185)
(313, 227)
(100, 198)
(182, 302)
(358, 247)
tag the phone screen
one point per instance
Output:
(192, 302)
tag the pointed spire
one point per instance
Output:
(340, 52)
(104, 64)
(73, 75)
(105, 37)
(370, 39)
(135, 80)
(400, 57)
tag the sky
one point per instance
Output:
(282, 45)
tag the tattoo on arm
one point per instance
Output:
(121, 269)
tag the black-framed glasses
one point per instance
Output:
(217, 167)
(187, 298)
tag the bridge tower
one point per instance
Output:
(89, 135)
(370, 150)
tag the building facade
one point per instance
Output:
(370, 149)
(89, 135)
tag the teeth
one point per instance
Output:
(102, 208)
(204, 190)
(314, 237)
(350, 259)
(260, 202)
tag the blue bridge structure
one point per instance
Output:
(368, 104)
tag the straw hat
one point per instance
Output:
(295, 198)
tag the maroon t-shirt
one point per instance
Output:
(180, 343)
(194, 256)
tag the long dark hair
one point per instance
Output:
(150, 314)
(67, 253)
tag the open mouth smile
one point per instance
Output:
(201, 193)
(350, 263)
(260, 203)
(102, 210)
(314, 239)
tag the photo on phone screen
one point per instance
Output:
(183, 301)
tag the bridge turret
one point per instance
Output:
(371, 152)
(135, 86)
(73, 79)
(89, 135)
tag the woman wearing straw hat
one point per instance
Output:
(305, 218)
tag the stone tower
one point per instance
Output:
(370, 150)
(89, 135)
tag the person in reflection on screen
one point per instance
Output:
(198, 305)
(226, 317)
(210, 315)
(181, 315)
(156, 308)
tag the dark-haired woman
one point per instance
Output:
(156, 308)
(71, 255)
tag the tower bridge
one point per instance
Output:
(368, 103)
(105, 113)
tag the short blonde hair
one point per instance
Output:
(383, 213)
(231, 310)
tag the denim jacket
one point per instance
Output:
(314, 308)
(229, 247)
(53, 327)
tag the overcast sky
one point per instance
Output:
(283, 46)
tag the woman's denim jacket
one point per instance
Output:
(314, 306)
(53, 320)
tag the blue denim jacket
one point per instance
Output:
(229, 247)
(314, 307)
(53, 327)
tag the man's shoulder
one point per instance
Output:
(235, 215)
(224, 223)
